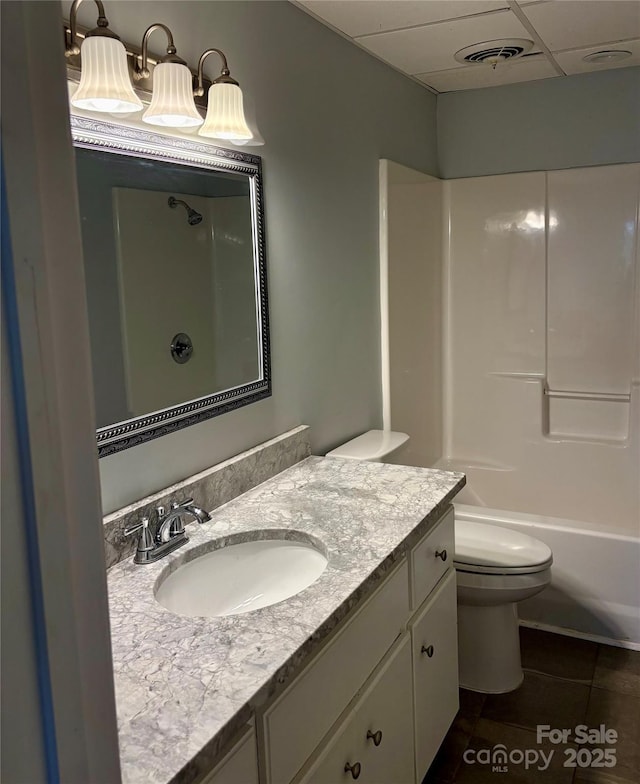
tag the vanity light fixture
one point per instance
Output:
(225, 113)
(172, 103)
(105, 85)
(250, 116)
(107, 66)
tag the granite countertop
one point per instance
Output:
(185, 686)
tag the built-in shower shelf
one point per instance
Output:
(613, 397)
(559, 437)
(518, 375)
(587, 416)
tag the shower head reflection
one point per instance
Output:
(193, 217)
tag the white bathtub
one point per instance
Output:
(595, 586)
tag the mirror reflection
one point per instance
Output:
(172, 282)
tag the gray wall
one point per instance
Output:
(583, 120)
(23, 758)
(328, 112)
(46, 252)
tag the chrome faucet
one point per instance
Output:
(171, 524)
(170, 533)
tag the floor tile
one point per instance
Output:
(488, 734)
(618, 669)
(600, 777)
(620, 712)
(449, 757)
(558, 655)
(471, 703)
(555, 692)
(540, 700)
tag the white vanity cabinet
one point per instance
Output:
(434, 643)
(376, 702)
(239, 765)
(296, 722)
(432, 558)
(375, 742)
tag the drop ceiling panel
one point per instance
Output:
(473, 76)
(421, 37)
(361, 17)
(569, 24)
(572, 62)
(432, 48)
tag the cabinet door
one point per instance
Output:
(434, 641)
(240, 765)
(431, 558)
(300, 718)
(376, 738)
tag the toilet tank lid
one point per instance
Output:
(372, 445)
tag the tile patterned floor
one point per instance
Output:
(567, 683)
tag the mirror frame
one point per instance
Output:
(137, 142)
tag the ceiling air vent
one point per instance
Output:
(494, 52)
(607, 56)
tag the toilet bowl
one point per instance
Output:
(495, 569)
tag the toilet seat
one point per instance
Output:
(504, 571)
(491, 549)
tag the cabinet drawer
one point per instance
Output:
(384, 711)
(431, 558)
(434, 642)
(298, 720)
(239, 765)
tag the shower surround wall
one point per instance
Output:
(175, 277)
(543, 350)
(541, 377)
(541, 401)
(158, 256)
(411, 309)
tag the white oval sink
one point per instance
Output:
(241, 577)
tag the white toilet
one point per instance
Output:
(377, 446)
(495, 569)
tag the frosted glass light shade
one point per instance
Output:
(105, 85)
(257, 139)
(225, 114)
(172, 103)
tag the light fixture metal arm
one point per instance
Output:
(225, 75)
(142, 71)
(72, 49)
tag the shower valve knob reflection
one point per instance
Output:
(181, 348)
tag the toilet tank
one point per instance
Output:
(374, 445)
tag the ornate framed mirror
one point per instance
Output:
(175, 268)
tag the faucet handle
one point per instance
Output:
(161, 511)
(132, 529)
(145, 543)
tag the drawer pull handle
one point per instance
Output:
(376, 737)
(353, 769)
(428, 650)
(441, 554)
